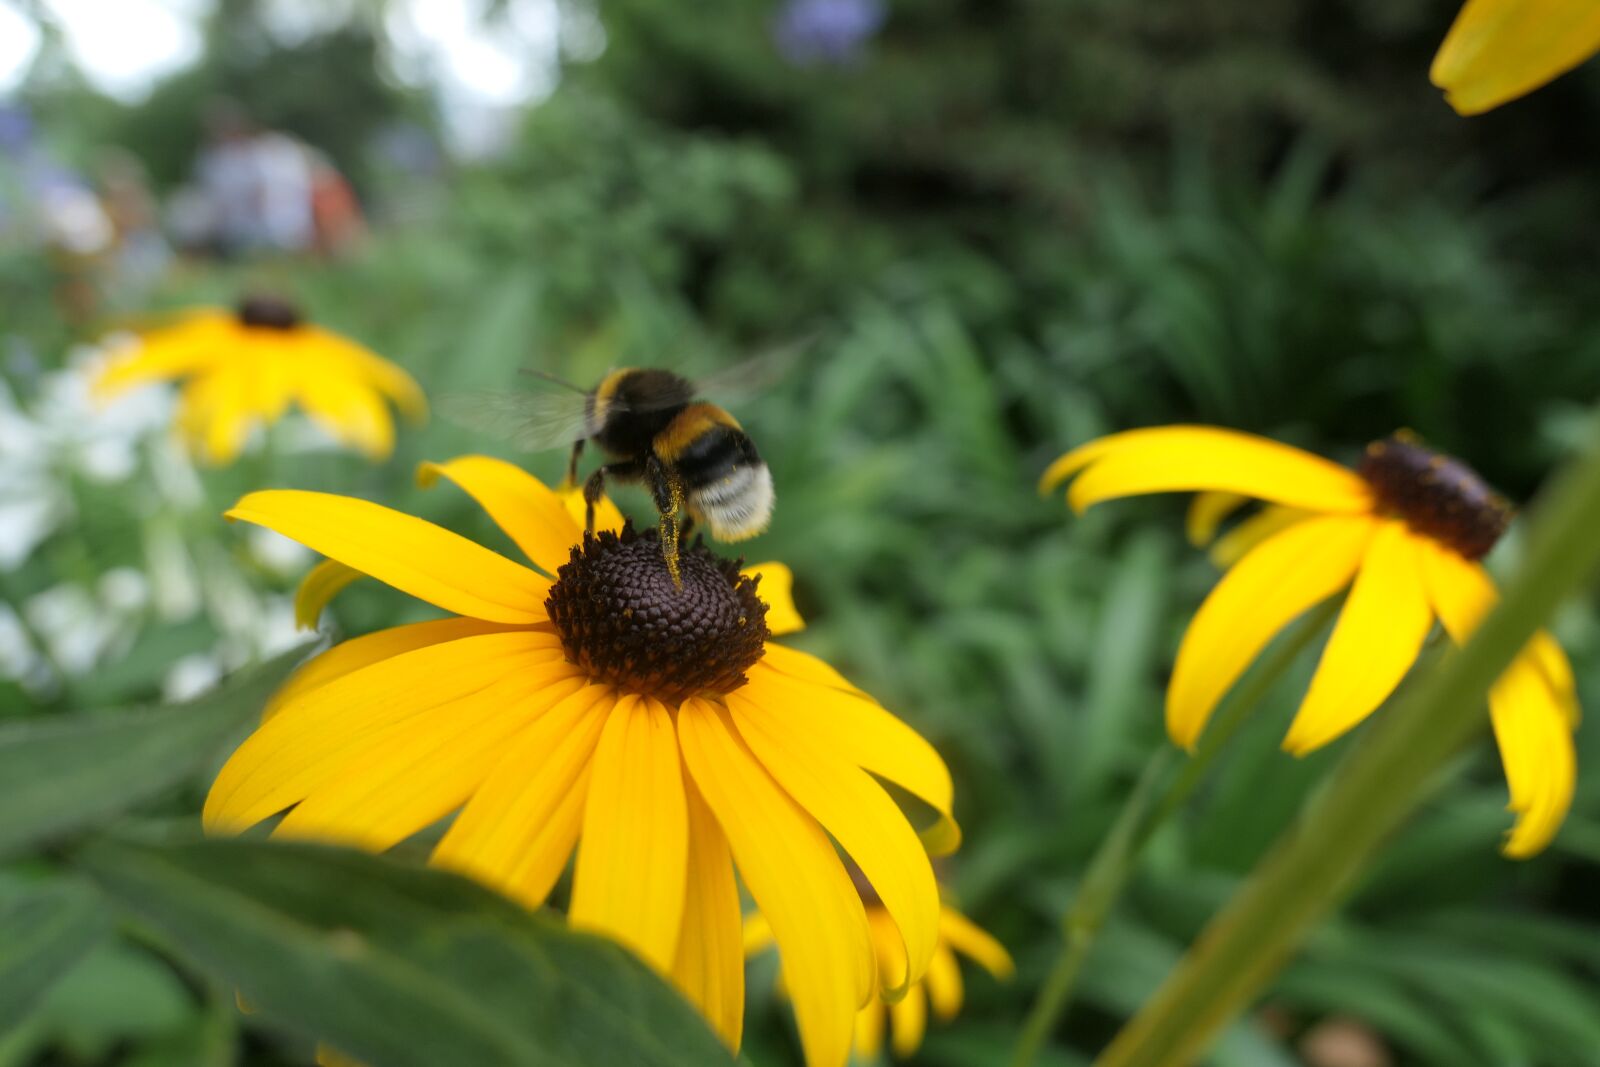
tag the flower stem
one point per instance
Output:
(1368, 795)
(1148, 807)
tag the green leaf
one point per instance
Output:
(42, 935)
(400, 966)
(68, 772)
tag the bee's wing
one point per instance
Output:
(756, 374)
(531, 421)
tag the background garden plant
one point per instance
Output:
(1014, 230)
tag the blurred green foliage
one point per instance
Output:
(1015, 225)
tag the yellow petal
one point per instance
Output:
(944, 984)
(1206, 513)
(633, 854)
(972, 941)
(709, 969)
(397, 782)
(368, 649)
(757, 931)
(1273, 584)
(519, 828)
(330, 1057)
(372, 368)
(908, 1020)
(860, 816)
(869, 1031)
(216, 416)
(409, 553)
(1272, 519)
(805, 667)
(606, 515)
(1532, 715)
(298, 749)
(862, 732)
(1378, 636)
(348, 410)
(317, 590)
(174, 352)
(528, 511)
(1498, 50)
(1199, 458)
(796, 878)
(777, 593)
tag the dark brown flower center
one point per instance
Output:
(621, 618)
(267, 312)
(1437, 496)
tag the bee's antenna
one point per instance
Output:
(552, 379)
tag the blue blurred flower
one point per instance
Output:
(810, 32)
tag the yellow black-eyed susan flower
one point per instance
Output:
(657, 731)
(1404, 533)
(942, 989)
(1498, 50)
(241, 369)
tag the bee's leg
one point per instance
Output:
(595, 487)
(686, 527)
(667, 489)
(571, 481)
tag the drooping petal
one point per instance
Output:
(796, 878)
(869, 1031)
(860, 816)
(972, 941)
(415, 774)
(1498, 50)
(1378, 636)
(368, 649)
(1207, 512)
(519, 828)
(709, 968)
(528, 511)
(176, 351)
(1269, 587)
(777, 593)
(633, 854)
(944, 985)
(373, 369)
(215, 416)
(348, 410)
(409, 553)
(757, 931)
(297, 750)
(862, 732)
(1200, 458)
(318, 588)
(1231, 547)
(1532, 713)
(908, 1021)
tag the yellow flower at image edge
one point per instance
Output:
(657, 731)
(1498, 50)
(942, 989)
(240, 369)
(1403, 534)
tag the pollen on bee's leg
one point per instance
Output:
(1437, 496)
(625, 619)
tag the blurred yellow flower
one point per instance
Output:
(242, 368)
(907, 1017)
(656, 731)
(1403, 534)
(1498, 50)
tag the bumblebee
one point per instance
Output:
(693, 457)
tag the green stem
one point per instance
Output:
(1145, 811)
(1368, 795)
